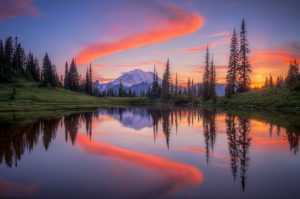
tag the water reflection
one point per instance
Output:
(17, 137)
(237, 130)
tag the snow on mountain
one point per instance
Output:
(133, 118)
(134, 77)
(138, 80)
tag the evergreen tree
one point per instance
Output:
(192, 89)
(172, 89)
(266, 85)
(48, 75)
(212, 82)
(2, 75)
(244, 69)
(155, 90)
(231, 78)
(36, 71)
(56, 81)
(188, 87)
(279, 81)
(28, 65)
(73, 77)
(199, 90)
(206, 75)
(32, 68)
(18, 62)
(66, 79)
(7, 60)
(293, 71)
(14, 63)
(176, 86)
(89, 81)
(121, 92)
(166, 84)
(271, 83)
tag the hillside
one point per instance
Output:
(274, 98)
(30, 97)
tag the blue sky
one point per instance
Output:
(122, 35)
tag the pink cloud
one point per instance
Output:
(220, 34)
(203, 47)
(173, 22)
(15, 8)
(274, 61)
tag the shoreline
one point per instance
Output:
(11, 106)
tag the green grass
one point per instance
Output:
(30, 97)
(272, 98)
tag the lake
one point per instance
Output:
(155, 152)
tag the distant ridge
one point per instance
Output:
(139, 81)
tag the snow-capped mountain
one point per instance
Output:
(133, 118)
(138, 80)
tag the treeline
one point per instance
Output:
(74, 82)
(121, 92)
(169, 90)
(291, 81)
(16, 64)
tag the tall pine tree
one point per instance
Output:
(206, 77)
(232, 76)
(2, 75)
(89, 80)
(212, 82)
(176, 86)
(293, 72)
(155, 89)
(73, 77)
(49, 75)
(166, 84)
(244, 69)
(8, 59)
(66, 79)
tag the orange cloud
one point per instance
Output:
(14, 8)
(273, 61)
(179, 175)
(220, 34)
(176, 22)
(203, 47)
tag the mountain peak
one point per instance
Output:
(129, 79)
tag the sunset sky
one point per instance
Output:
(122, 35)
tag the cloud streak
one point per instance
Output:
(173, 22)
(203, 47)
(14, 8)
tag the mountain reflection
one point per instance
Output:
(16, 136)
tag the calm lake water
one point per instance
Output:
(150, 153)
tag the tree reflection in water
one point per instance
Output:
(16, 137)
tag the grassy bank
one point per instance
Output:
(30, 97)
(272, 98)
